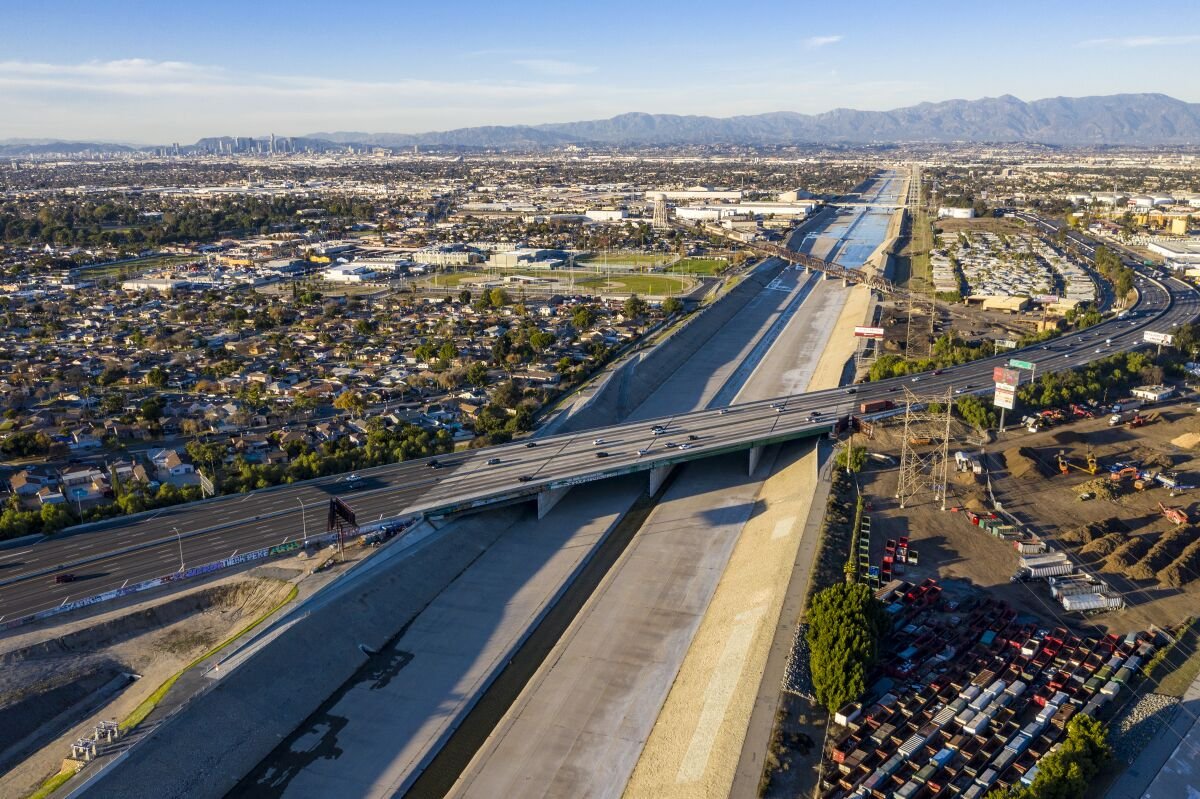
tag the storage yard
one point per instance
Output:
(1010, 616)
(975, 696)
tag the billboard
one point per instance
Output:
(1005, 397)
(1004, 376)
(1151, 337)
(1047, 299)
(1006, 343)
(1019, 364)
(868, 332)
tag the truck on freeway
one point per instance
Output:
(874, 406)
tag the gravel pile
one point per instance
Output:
(798, 678)
(1139, 724)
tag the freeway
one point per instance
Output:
(158, 543)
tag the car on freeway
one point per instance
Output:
(597, 442)
(353, 477)
(493, 461)
(780, 409)
(852, 390)
(723, 411)
(530, 444)
(815, 414)
(693, 437)
(601, 454)
(685, 446)
(65, 578)
(959, 390)
(916, 378)
(670, 445)
(434, 464)
(1066, 355)
(645, 451)
(893, 388)
(1098, 349)
(938, 371)
(525, 478)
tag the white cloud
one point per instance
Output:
(821, 41)
(1141, 41)
(555, 67)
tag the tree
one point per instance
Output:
(498, 297)
(351, 401)
(151, 409)
(464, 297)
(853, 458)
(54, 518)
(477, 374)
(672, 306)
(507, 395)
(583, 318)
(448, 352)
(844, 623)
(541, 340)
(635, 307)
(156, 377)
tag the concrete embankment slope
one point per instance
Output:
(443, 618)
(636, 380)
(715, 724)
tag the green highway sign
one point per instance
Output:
(1014, 363)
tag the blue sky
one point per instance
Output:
(174, 71)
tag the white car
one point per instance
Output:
(353, 478)
(642, 452)
(597, 442)
(685, 446)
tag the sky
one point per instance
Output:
(160, 72)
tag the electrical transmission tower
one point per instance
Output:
(924, 454)
(660, 212)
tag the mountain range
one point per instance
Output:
(1140, 119)
(1119, 119)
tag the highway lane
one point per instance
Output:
(217, 528)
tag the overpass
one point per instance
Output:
(541, 470)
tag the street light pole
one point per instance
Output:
(303, 520)
(179, 540)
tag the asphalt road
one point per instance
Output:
(202, 532)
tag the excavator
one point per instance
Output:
(1065, 465)
(1176, 515)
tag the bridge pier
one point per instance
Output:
(657, 475)
(755, 457)
(548, 498)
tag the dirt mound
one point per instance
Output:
(1187, 440)
(1102, 487)
(1087, 533)
(1125, 556)
(1183, 569)
(1168, 547)
(1104, 546)
(1151, 459)
(1026, 462)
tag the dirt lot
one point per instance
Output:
(1125, 540)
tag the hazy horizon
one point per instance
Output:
(141, 73)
